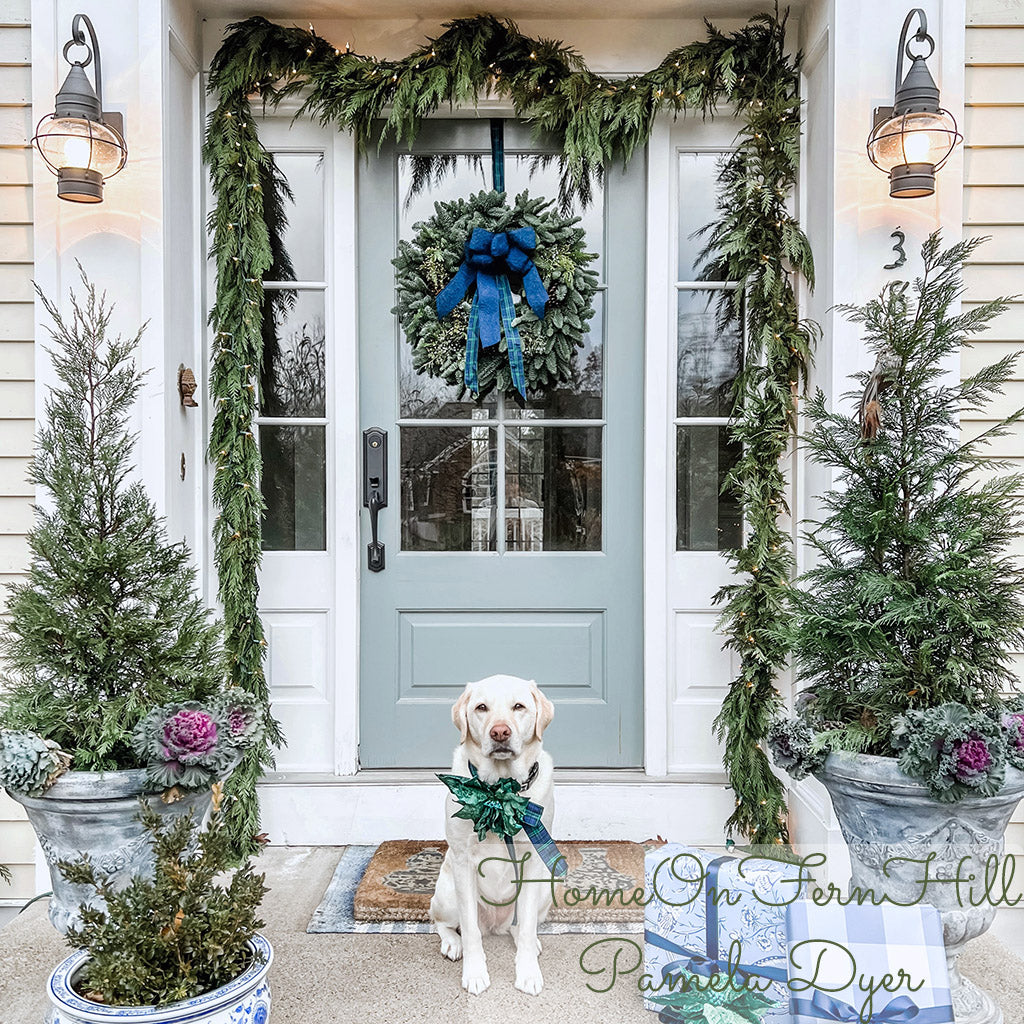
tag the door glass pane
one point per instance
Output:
(540, 176)
(698, 182)
(708, 359)
(582, 397)
(452, 176)
(449, 488)
(553, 488)
(294, 344)
(706, 519)
(294, 485)
(303, 235)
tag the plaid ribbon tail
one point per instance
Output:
(512, 339)
(473, 347)
(542, 841)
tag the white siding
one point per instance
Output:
(16, 370)
(994, 206)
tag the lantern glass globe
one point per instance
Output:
(74, 142)
(923, 137)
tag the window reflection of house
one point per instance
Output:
(552, 495)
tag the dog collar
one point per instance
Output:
(531, 775)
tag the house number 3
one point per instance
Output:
(901, 254)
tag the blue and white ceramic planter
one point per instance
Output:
(246, 1000)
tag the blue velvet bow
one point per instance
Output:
(901, 1010)
(490, 256)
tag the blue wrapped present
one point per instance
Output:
(713, 915)
(867, 965)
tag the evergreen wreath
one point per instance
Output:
(754, 242)
(432, 258)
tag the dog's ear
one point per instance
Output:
(460, 714)
(545, 710)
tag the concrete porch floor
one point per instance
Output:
(338, 979)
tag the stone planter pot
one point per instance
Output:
(885, 815)
(246, 1000)
(95, 813)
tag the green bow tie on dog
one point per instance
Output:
(491, 806)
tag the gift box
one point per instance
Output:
(867, 964)
(713, 915)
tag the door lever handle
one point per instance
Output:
(375, 489)
(375, 550)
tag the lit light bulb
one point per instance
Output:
(76, 152)
(917, 146)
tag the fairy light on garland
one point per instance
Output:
(598, 122)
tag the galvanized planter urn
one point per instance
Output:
(245, 1000)
(888, 819)
(95, 813)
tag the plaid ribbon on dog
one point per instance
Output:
(499, 808)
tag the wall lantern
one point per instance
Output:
(914, 137)
(80, 143)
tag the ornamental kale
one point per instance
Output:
(192, 745)
(1013, 723)
(904, 627)
(29, 765)
(177, 934)
(793, 747)
(956, 752)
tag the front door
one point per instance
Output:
(513, 535)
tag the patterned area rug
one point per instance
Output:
(388, 889)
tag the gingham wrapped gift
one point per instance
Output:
(687, 929)
(841, 949)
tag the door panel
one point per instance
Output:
(513, 535)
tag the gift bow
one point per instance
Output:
(902, 1010)
(498, 807)
(490, 256)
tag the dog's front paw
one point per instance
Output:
(451, 946)
(475, 978)
(529, 979)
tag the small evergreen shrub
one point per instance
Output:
(904, 628)
(108, 624)
(178, 934)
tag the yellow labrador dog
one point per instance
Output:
(501, 720)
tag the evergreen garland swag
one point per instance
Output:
(597, 120)
(431, 259)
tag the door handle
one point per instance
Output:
(375, 490)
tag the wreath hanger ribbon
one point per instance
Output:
(490, 256)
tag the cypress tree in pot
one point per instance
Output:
(113, 666)
(905, 627)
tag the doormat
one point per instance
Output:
(387, 889)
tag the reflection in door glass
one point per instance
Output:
(303, 234)
(553, 489)
(707, 358)
(449, 488)
(294, 486)
(294, 347)
(706, 519)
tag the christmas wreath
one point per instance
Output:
(496, 294)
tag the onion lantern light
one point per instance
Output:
(80, 143)
(913, 138)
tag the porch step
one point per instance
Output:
(373, 806)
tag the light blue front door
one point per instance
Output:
(513, 535)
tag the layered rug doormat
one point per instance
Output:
(387, 888)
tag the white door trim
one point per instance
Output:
(346, 497)
(657, 405)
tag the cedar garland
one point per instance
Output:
(597, 120)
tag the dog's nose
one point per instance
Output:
(500, 732)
